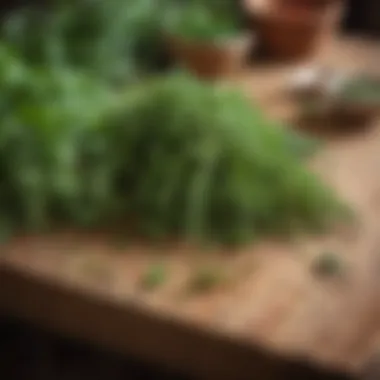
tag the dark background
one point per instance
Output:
(27, 353)
(364, 16)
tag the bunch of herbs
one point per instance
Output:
(207, 165)
(177, 156)
(114, 39)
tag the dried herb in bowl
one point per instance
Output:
(361, 90)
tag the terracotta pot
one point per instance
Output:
(210, 60)
(288, 31)
(285, 38)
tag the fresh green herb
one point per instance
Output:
(303, 146)
(223, 170)
(200, 21)
(114, 39)
(174, 155)
(206, 279)
(154, 277)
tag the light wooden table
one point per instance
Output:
(272, 308)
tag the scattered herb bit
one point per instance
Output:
(154, 277)
(205, 279)
(328, 264)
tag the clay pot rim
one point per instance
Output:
(300, 18)
(245, 38)
(313, 19)
(250, 7)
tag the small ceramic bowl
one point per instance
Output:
(358, 99)
(309, 83)
(347, 102)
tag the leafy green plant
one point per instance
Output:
(114, 39)
(175, 156)
(54, 155)
(201, 21)
(205, 164)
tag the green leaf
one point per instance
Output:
(155, 276)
